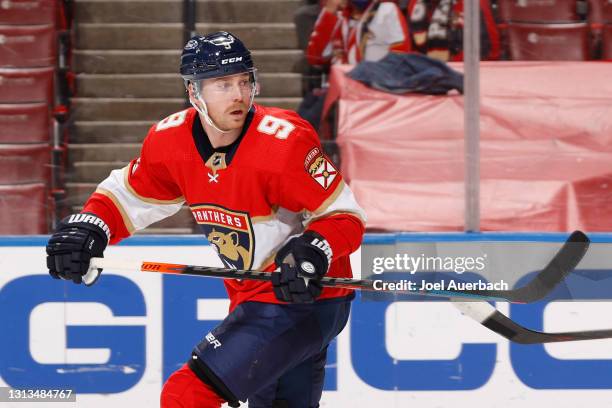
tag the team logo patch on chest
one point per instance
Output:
(320, 168)
(229, 232)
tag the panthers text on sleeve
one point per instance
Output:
(249, 198)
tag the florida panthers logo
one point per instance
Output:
(223, 41)
(229, 249)
(229, 232)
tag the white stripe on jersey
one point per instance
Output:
(140, 212)
(341, 201)
(271, 234)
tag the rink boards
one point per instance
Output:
(116, 341)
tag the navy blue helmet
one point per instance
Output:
(214, 55)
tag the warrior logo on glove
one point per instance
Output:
(303, 261)
(78, 238)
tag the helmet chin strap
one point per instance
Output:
(204, 112)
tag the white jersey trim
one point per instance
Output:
(341, 201)
(138, 212)
(271, 234)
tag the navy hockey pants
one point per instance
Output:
(273, 354)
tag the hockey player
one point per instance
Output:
(267, 198)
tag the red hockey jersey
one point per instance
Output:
(249, 198)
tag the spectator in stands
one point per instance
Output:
(436, 29)
(304, 18)
(350, 31)
(356, 30)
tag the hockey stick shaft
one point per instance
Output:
(482, 312)
(215, 272)
(223, 273)
(566, 259)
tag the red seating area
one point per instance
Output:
(549, 42)
(24, 122)
(554, 30)
(28, 12)
(27, 46)
(550, 11)
(23, 208)
(25, 163)
(27, 85)
(29, 32)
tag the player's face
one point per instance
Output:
(228, 99)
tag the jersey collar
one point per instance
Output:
(205, 148)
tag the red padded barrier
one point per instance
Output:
(548, 42)
(23, 209)
(546, 150)
(25, 163)
(24, 123)
(538, 10)
(26, 85)
(28, 11)
(27, 46)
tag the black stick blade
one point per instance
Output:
(511, 330)
(566, 259)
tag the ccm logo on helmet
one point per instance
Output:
(231, 60)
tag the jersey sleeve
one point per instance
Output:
(311, 184)
(137, 195)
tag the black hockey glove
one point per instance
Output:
(303, 261)
(77, 239)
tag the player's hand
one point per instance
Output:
(78, 238)
(303, 261)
